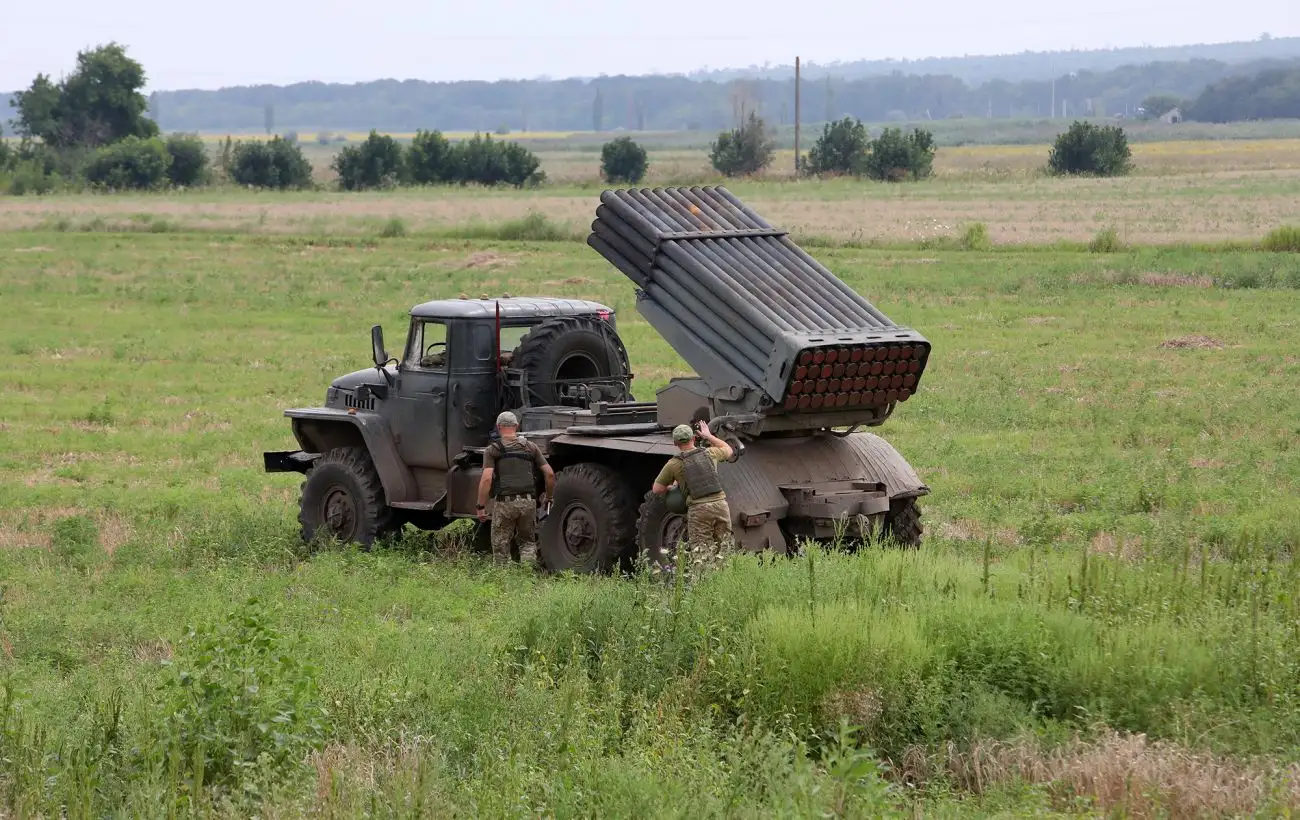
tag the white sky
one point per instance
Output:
(243, 42)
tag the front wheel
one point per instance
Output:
(592, 524)
(343, 498)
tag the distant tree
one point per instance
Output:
(623, 161)
(1271, 94)
(486, 161)
(189, 160)
(98, 103)
(598, 113)
(1156, 106)
(8, 156)
(430, 159)
(273, 163)
(842, 148)
(268, 118)
(130, 163)
(375, 163)
(744, 150)
(895, 156)
(1091, 149)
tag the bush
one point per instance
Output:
(1283, 240)
(1106, 241)
(841, 149)
(130, 163)
(895, 156)
(622, 160)
(430, 159)
(1090, 149)
(488, 162)
(375, 163)
(976, 238)
(744, 150)
(275, 163)
(189, 165)
(29, 176)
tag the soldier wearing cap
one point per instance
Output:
(510, 468)
(695, 470)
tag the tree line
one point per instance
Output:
(665, 103)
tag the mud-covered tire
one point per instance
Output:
(592, 524)
(903, 522)
(344, 498)
(568, 348)
(658, 531)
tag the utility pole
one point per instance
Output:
(796, 116)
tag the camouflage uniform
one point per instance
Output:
(708, 519)
(514, 511)
(516, 517)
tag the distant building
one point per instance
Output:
(1172, 115)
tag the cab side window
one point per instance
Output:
(427, 349)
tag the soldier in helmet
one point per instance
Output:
(695, 470)
(510, 474)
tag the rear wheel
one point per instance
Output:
(658, 531)
(903, 522)
(343, 498)
(592, 524)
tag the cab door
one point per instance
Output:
(420, 427)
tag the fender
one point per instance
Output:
(319, 429)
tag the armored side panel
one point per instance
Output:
(752, 312)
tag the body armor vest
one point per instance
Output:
(700, 477)
(514, 470)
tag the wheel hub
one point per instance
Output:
(339, 511)
(578, 527)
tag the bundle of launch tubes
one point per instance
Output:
(745, 306)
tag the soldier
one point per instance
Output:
(695, 470)
(513, 487)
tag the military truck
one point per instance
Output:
(791, 364)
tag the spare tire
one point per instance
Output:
(561, 352)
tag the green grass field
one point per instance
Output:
(1111, 443)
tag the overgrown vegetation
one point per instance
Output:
(895, 156)
(1285, 239)
(375, 163)
(842, 148)
(1099, 561)
(622, 161)
(1087, 148)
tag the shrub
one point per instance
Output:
(976, 238)
(746, 149)
(375, 163)
(1283, 240)
(29, 176)
(189, 165)
(1106, 241)
(895, 156)
(430, 159)
(130, 163)
(622, 160)
(485, 161)
(1091, 149)
(275, 163)
(841, 149)
(393, 228)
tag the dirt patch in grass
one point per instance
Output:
(1193, 342)
(34, 249)
(490, 259)
(572, 280)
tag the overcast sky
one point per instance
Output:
(241, 42)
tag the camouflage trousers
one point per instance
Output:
(514, 520)
(708, 533)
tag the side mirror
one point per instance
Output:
(377, 346)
